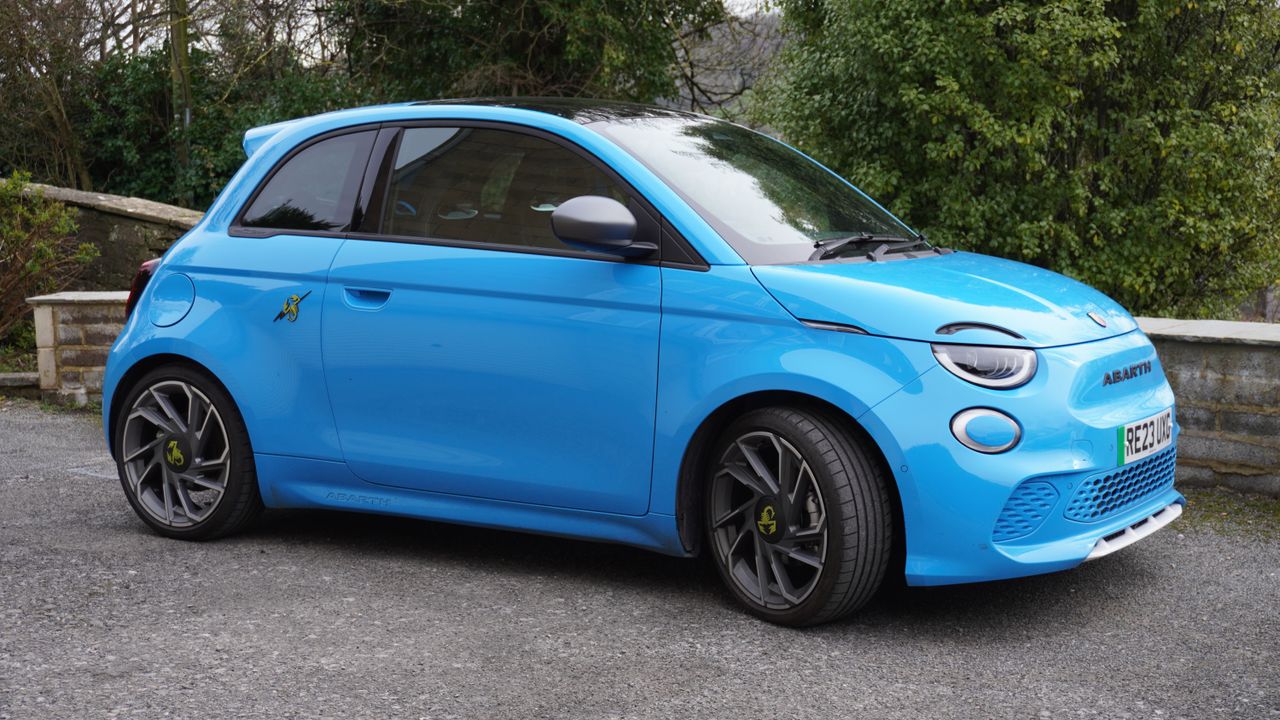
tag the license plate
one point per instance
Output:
(1145, 437)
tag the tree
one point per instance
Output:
(1131, 143)
(42, 51)
(717, 66)
(180, 90)
(420, 49)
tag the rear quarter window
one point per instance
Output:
(315, 188)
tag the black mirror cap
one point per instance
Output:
(598, 224)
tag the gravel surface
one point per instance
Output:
(315, 615)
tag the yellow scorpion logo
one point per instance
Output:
(290, 309)
(767, 524)
(173, 454)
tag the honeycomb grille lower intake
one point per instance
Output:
(1028, 506)
(1105, 494)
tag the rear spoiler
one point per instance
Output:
(255, 138)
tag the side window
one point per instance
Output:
(315, 189)
(485, 185)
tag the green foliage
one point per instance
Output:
(38, 251)
(420, 49)
(132, 137)
(1131, 144)
(399, 49)
(127, 127)
(18, 348)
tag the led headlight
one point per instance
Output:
(1001, 368)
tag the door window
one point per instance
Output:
(485, 185)
(315, 189)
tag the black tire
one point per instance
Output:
(849, 493)
(234, 507)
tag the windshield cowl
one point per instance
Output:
(873, 247)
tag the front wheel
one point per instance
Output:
(798, 516)
(183, 455)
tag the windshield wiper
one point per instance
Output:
(827, 249)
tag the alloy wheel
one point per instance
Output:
(176, 457)
(768, 520)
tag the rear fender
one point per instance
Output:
(282, 399)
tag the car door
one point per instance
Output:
(467, 351)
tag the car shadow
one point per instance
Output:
(1012, 610)
(510, 552)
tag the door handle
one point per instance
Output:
(366, 298)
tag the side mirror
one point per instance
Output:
(598, 224)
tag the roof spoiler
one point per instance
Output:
(255, 138)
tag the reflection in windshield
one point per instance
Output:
(768, 201)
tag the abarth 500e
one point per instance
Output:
(635, 325)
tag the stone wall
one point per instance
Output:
(1226, 377)
(127, 231)
(74, 332)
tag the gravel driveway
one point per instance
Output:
(342, 616)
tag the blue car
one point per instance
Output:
(634, 325)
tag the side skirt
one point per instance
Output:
(293, 482)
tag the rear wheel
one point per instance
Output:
(799, 519)
(183, 456)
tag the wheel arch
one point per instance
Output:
(691, 480)
(142, 367)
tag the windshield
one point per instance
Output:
(772, 204)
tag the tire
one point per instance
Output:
(183, 455)
(766, 516)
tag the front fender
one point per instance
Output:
(724, 345)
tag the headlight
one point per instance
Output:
(994, 367)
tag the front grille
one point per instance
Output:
(1102, 495)
(1028, 506)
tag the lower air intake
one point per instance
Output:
(1105, 494)
(1028, 506)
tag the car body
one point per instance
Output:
(379, 368)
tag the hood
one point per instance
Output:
(914, 299)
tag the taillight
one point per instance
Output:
(145, 271)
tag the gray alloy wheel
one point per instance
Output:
(798, 515)
(175, 454)
(183, 455)
(768, 522)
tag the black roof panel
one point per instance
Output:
(580, 110)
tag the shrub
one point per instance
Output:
(1131, 144)
(18, 348)
(38, 249)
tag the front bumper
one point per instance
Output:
(971, 517)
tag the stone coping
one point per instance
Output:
(19, 379)
(130, 207)
(81, 298)
(1212, 331)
